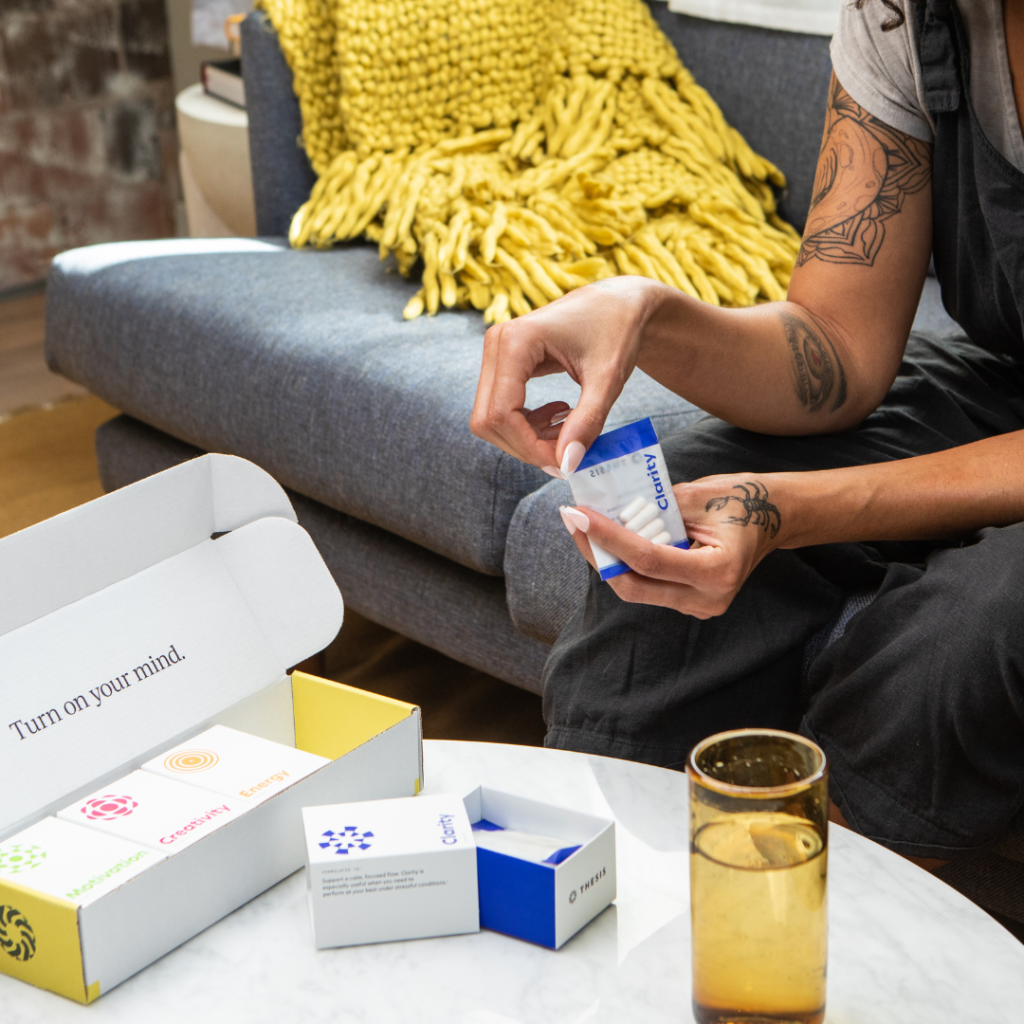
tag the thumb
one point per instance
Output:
(584, 423)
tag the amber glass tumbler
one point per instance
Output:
(758, 867)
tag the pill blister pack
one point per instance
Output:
(623, 476)
(641, 517)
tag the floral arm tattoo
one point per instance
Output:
(865, 170)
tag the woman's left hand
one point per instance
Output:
(732, 524)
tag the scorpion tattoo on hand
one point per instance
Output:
(759, 510)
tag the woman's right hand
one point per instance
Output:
(593, 334)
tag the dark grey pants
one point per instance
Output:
(919, 706)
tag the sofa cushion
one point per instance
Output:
(300, 361)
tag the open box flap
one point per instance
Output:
(97, 683)
(86, 549)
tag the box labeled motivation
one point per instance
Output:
(246, 768)
(154, 633)
(383, 870)
(544, 871)
(72, 862)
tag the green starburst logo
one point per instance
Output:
(19, 858)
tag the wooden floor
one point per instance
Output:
(47, 465)
(25, 380)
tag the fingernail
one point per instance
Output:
(559, 417)
(572, 457)
(553, 471)
(578, 519)
(566, 520)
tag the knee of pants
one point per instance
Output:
(706, 448)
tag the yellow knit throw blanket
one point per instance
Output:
(523, 148)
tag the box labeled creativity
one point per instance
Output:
(130, 629)
(384, 870)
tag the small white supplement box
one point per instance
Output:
(545, 901)
(385, 870)
(129, 627)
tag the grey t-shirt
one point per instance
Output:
(882, 71)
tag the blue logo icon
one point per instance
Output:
(350, 838)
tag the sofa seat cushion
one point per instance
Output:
(301, 362)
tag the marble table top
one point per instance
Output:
(904, 947)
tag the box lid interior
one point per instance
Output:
(123, 622)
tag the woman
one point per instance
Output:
(881, 465)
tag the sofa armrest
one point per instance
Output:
(281, 175)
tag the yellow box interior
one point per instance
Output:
(331, 719)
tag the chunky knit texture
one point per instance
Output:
(525, 148)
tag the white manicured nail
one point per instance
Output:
(559, 417)
(631, 509)
(566, 520)
(578, 519)
(663, 538)
(572, 457)
(553, 471)
(652, 529)
(646, 515)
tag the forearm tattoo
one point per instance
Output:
(818, 374)
(757, 509)
(864, 172)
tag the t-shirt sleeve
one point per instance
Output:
(882, 70)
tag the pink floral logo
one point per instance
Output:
(109, 808)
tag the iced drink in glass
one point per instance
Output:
(758, 860)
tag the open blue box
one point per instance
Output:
(546, 903)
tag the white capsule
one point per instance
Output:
(631, 509)
(663, 538)
(646, 515)
(652, 529)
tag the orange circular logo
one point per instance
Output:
(191, 761)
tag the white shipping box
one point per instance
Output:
(129, 626)
(384, 870)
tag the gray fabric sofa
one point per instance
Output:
(301, 362)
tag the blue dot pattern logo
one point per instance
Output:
(348, 839)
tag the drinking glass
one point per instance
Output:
(758, 859)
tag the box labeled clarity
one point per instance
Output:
(384, 870)
(544, 871)
(246, 768)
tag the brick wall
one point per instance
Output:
(88, 149)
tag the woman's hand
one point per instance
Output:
(594, 335)
(732, 524)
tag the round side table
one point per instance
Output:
(215, 172)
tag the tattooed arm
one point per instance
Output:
(817, 363)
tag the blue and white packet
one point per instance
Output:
(621, 466)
